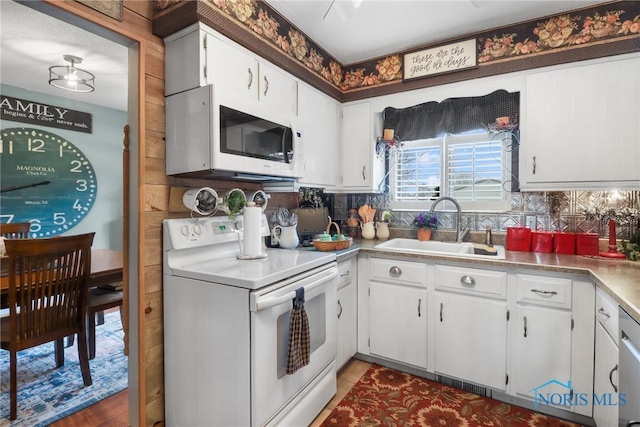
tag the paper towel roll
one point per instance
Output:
(251, 224)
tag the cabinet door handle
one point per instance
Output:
(615, 387)
(467, 280)
(250, 78)
(419, 303)
(340, 307)
(604, 313)
(534, 165)
(525, 326)
(266, 85)
(539, 292)
(363, 168)
(441, 305)
(395, 271)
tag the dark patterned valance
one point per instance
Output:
(452, 116)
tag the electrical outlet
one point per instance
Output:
(530, 221)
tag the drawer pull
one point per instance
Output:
(395, 271)
(525, 326)
(544, 293)
(467, 280)
(345, 274)
(340, 307)
(604, 313)
(419, 304)
(615, 387)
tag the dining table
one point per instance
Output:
(106, 268)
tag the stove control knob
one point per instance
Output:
(197, 229)
(184, 230)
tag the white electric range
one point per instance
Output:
(226, 324)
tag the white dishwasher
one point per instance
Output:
(629, 413)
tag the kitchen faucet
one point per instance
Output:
(460, 233)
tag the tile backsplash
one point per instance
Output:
(526, 208)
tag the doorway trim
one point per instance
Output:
(133, 265)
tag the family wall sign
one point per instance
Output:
(35, 113)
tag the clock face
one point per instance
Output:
(45, 180)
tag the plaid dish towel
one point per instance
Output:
(299, 341)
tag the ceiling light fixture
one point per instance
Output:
(68, 77)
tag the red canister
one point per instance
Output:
(541, 241)
(587, 244)
(519, 239)
(564, 243)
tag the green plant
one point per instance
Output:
(235, 202)
(631, 249)
(310, 196)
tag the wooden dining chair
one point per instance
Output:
(16, 230)
(48, 283)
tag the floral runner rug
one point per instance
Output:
(389, 398)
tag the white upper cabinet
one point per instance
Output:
(362, 170)
(320, 116)
(580, 127)
(198, 56)
(277, 89)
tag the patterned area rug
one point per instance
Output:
(47, 394)
(386, 397)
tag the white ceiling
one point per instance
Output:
(31, 41)
(380, 27)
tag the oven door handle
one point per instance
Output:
(262, 303)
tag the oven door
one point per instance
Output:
(271, 387)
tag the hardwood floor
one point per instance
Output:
(110, 412)
(113, 411)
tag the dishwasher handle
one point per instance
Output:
(264, 302)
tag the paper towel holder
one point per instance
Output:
(201, 200)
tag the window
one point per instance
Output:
(470, 167)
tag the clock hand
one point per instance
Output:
(19, 187)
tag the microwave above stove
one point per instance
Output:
(212, 133)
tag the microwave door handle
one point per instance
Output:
(283, 142)
(262, 303)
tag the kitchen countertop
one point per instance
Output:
(618, 278)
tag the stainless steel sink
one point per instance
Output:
(467, 250)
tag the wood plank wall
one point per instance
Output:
(161, 197)
(155, 188)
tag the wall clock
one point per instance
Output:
(45, 180)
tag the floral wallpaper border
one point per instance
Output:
(596, 25)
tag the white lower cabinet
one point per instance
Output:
(471, 330)
(347, 312)
(552, 361)
(398, 311)
(526, 333)
(542, 361)
(605, 381)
